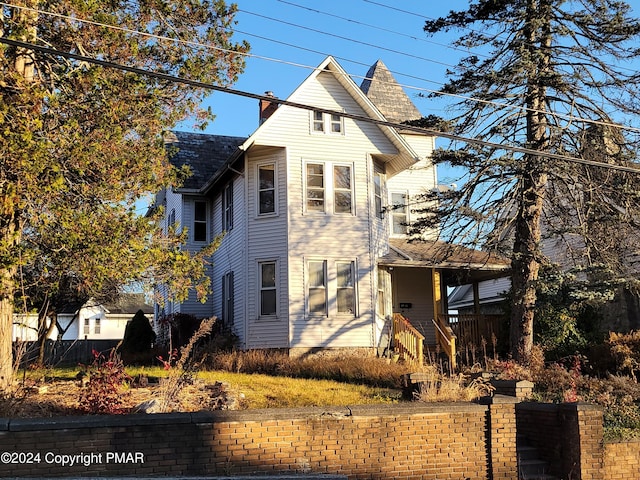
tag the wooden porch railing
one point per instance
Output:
(446, 339)
(407, 341)
(471, 330)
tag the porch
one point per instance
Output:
(456, 336)
(419, 275)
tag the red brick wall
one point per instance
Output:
(445, 441)
(622, 460)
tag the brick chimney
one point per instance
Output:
(266, 107)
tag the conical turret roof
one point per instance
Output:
(387, 95)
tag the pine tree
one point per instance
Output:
(80, 144)
(540, 68)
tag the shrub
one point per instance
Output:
(103, 391)
(138, 340)
(625, 350)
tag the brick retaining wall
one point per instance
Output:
(406, 441)
(622, 460)
(416, 441)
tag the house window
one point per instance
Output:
(346, 288)
(399, 213)
(381, 296)
(326, 122)
(200, 222)
(87, 330)
(96, 326)
(342, 189)
(329, 188)
(268, 293)
(227, 207)
(315, 187)
(266, 189)
(318, 121)
(377, 195)
(336, 123)
(317, 287)
(227, 298)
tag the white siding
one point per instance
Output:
(231, 256)
(266, 241)
(327, 236)
(418, 179)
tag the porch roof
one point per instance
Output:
(456, 260)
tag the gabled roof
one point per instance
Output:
(405, 157)
(387, 95)
(205, 154)
(126, 303)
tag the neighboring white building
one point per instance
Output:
(91, 320)
(313, 206)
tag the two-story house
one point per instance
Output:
(314, 206)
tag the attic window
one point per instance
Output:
(326, 123)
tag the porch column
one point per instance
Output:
(476, 298)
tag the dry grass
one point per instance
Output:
(454, 388)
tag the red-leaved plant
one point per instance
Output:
(103, 392)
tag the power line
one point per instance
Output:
(376, 27)
(312, 68)
(209, 86)
(341, 37)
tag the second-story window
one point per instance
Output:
(266, 189)
(328, 188)
(200, 221)
(315, 187)
(227, 207)
(342, 189)
(399, 213)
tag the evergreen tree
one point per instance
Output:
(552, 78)
(80, 144)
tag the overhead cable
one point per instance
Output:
(231, 91)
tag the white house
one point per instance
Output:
(90, 320)
(313, 206)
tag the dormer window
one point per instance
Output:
(327, 123)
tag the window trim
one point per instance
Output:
(259, 190)
(261, 288)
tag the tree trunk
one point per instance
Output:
(532, 184)
(6, 329)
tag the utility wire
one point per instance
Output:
(231, 91)
(376, 27)
(308, 67)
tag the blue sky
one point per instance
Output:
(290, 37)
